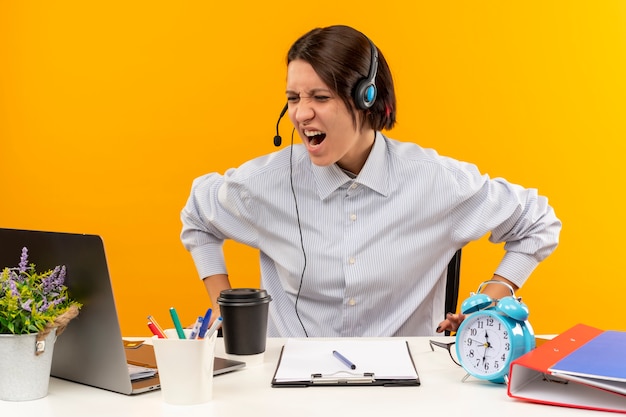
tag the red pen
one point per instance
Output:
(156, 324)
(156, 331)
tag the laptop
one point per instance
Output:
(91, 350)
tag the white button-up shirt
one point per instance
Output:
(362, 256)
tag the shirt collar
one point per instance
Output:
(374, 174)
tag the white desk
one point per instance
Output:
(248, 393)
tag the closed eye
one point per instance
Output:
(320, 95)
(295, 99)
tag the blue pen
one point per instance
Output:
(214, 327)
(177, 325)
(196, 328)
(205, 323)
(344, 360)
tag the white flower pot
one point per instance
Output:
(24, 375)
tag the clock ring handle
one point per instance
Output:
(509, 306)
(495, 281)
(479, 301)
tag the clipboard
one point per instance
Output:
(310, 362)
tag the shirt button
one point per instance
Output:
(352, 301)
(351, 261)
(353, 217)
(354, 185)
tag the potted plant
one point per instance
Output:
(35, 308)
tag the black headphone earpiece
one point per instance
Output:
(364, 93)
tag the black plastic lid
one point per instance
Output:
(243, 295)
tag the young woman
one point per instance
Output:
(355, 230)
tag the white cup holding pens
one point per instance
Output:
(185, 367)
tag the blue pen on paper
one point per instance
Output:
(206, 320)
(216, 324)
(344, 360)
(177, 325)
(195, 330)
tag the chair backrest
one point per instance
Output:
(452, 284)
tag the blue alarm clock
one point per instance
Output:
(493, 334)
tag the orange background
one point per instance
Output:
(108, 110)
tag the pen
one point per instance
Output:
(213, 327)
(155, 330)
(343, 359)
(177, 325)
(156, 325)
(205, 323)
(196, 328)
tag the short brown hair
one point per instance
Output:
(341, 56)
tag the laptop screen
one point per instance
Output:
(90, 350)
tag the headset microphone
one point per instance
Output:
(277, 139)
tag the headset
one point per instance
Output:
(364, 92)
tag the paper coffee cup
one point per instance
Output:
(244, 311)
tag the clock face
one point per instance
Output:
(484, 345)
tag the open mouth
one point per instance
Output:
(315, 137)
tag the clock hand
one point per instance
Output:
(479, 343)
(487, 345)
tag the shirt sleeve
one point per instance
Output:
(217, 209)
(516, 216)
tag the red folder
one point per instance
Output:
(583, 367)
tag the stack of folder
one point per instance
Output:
(584, 367)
